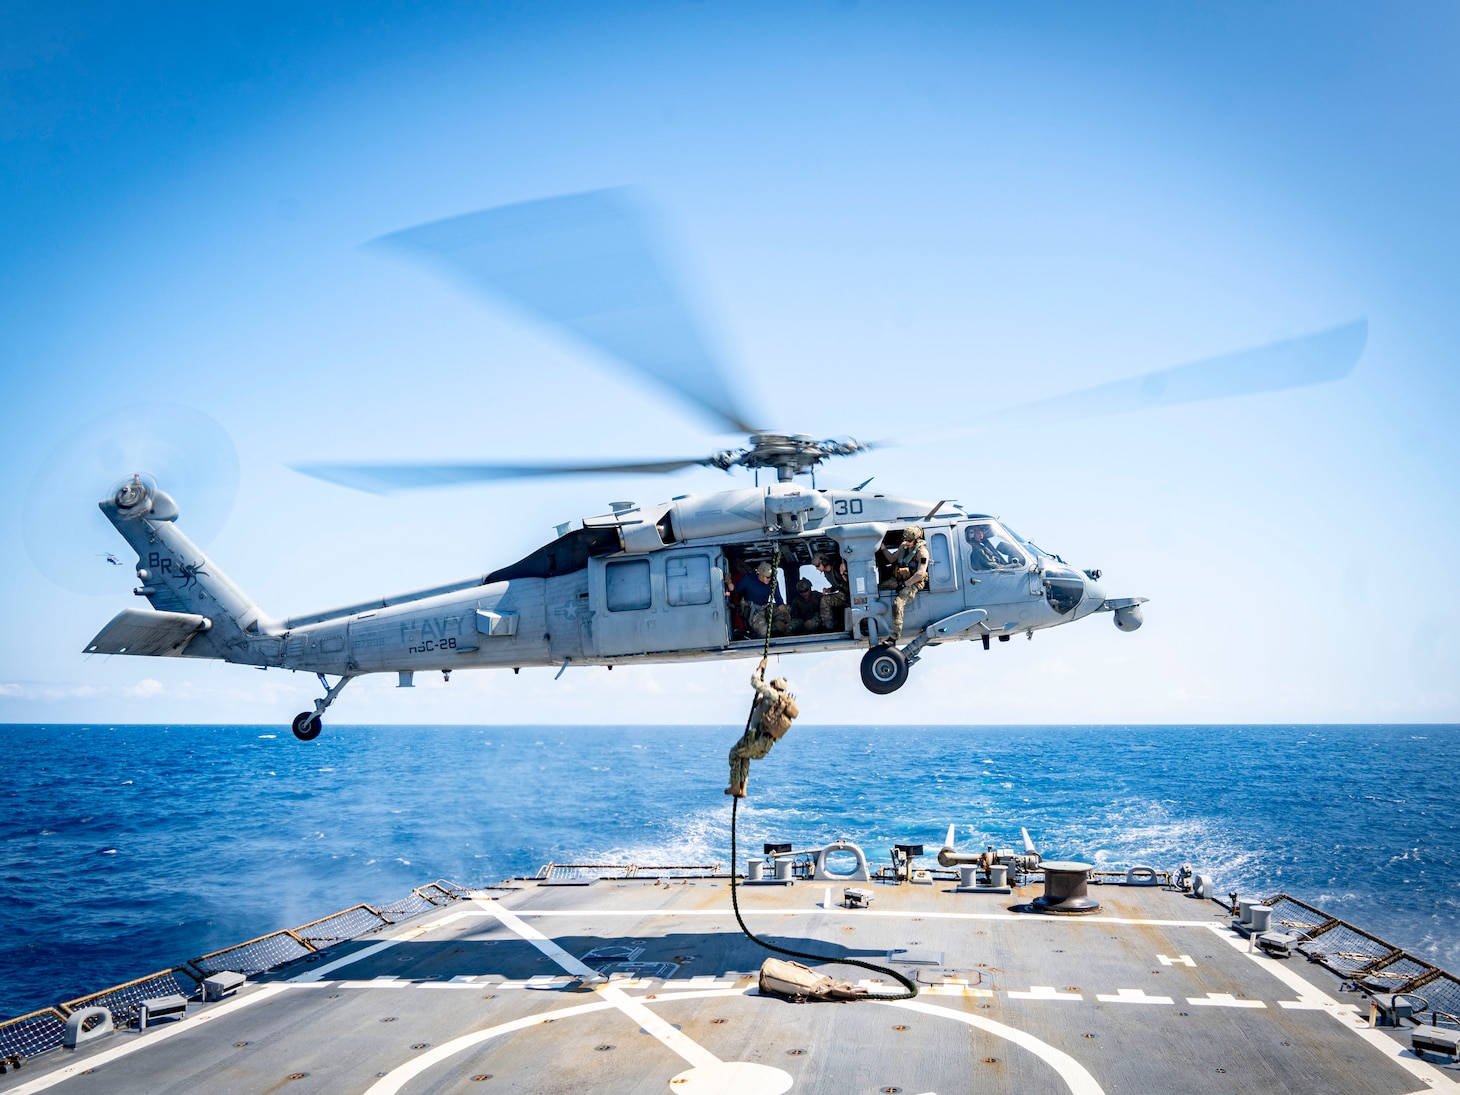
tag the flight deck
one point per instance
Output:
(646, 984)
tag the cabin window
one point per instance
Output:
(687, 580)
(628, 585)
(940, 562)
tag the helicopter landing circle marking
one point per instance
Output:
(732, 1078)
(1076, 1077)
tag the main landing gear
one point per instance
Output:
(884, 669)
(307, 724)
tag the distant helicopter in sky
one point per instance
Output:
(651, 583)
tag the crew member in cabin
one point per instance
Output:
(805, 608)
(770, 718)
(750, 597)
(838, 593)
(909, 575)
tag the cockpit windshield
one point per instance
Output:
(992, 547)
(1032, 548)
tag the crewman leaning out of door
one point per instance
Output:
(770, 718)
(909, 575)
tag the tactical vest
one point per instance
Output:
(910, 554)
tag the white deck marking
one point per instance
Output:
(1181, 960)
(397, 1078)
(862, 914)
(1222, 1000)
(1044, 992)
(1074, 1074)
(696, 1054)
(1132, 996)
(682, 1044)
(513, 923)
(1435, 1079)
(152, 1036)
(317, 974)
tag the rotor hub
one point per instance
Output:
(791, 454)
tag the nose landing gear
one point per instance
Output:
(307, 724)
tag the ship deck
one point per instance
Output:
(1154, 993)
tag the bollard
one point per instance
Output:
(1261, 918)
(998, 875)
(783, 870)
(754, 870)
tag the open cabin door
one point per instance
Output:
(667, 601)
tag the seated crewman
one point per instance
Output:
(805, 608)
(751, 595)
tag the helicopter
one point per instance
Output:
(646, 584)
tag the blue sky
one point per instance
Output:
(891, 218)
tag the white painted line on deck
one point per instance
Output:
(1222, 1000)
(409, 935)
(1180, 960)
(397, 1078)
(1074, 1074)
(1132, 996)
(513, 923)
(681, 1044)
(861, 914)
(1435, 1079)
(150, 1037)
(1044, 992)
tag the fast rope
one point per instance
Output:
(906, 982)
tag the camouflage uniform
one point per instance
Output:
(771, 717)
(909, 576)
(837, 596)
(805, 608)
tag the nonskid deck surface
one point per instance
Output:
(1153, 994)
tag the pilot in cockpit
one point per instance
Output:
(985, 554)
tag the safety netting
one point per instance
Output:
(124, 1001)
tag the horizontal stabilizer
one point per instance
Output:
(150, 634)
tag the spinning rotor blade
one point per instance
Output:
(384, 478)
(587, 263)
(191, 457)
(1293, 363)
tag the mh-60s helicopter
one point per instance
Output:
(648, 584)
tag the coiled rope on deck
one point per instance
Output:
(906, 982)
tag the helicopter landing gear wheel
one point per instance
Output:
(307, 726)
(884, 669)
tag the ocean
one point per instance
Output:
(129, 849)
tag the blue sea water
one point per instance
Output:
(129, 849)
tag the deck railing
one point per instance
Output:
(39, 1031)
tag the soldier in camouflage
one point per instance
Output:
(805, 608)
(770, 718)
(909, 575)
(837, 595)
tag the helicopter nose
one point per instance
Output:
(1094, 596)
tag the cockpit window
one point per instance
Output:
(990, 546)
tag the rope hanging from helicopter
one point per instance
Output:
(906, 982)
